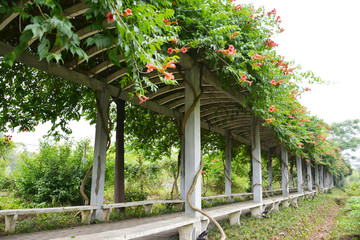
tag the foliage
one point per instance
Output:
(349, 220)
(355, 176)
(346, 134)
(160, 137)
(133, 196)
(31, 96)
(233, 40)
(7, 147)
(353, 189)
(52, 176)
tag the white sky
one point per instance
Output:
(322, 36)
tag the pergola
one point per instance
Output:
(220, 109)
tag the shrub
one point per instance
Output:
(353, 189)
(52, 176)
(349, 222)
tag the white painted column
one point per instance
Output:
(317, 176)
(256, 160)
(227, 163)
(269, 167)
(284, 171)
(299, 175)
(182, 169)
(192, 142)
(98, 172)
(322, 176)
(308, 176)
(326, 178)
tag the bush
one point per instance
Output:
(133, 196)
(349, 222)
(52, 176)
(353, 189)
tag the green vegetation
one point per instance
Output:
(348, 223)
(51, 176)
(288, 223)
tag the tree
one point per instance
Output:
(347, 135)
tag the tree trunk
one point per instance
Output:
(176, 177)
(141, 174)
(119, 187)
(251, 168)
(292, 172)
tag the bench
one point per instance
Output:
(148, 206)
(224, 197)
(184, 225)
(12, 214)
(234, 211)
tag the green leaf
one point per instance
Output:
(43, 48)
(113, 56)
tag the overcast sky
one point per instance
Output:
(322, 36)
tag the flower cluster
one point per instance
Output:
(283, 67)
(273, 108)
(269, 120)
(231, 51)
(259, 57)
(274, 83)
(238, 7)
(243, 80)
(168, 76)
(176, 50)
(142, 98)
(271, 43)
(232, 36)
(110, 16)
(7, 138)
(272, 12)
(167, 22)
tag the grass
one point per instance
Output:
(348, 222)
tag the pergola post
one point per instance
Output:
(322, 176)
(269, 167)
(256, 160)
(299, 175)
(192, 141)
(308, 175)
(284, 171)
(227, 163)
(317, 176)
(182, 169)
(101, 138)
(326, 178)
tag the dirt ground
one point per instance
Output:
(324, 229)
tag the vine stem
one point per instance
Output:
(196, 99)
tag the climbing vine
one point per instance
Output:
(234, 40)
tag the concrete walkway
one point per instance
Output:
(103, 227)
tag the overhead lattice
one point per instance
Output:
(221, 108)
